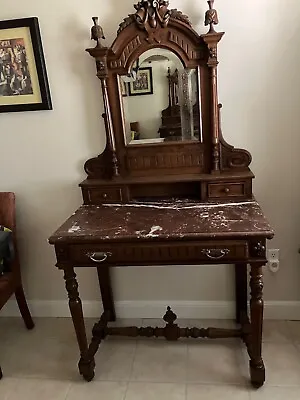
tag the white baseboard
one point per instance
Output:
(285, 310)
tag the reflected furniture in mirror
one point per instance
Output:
(167, 189)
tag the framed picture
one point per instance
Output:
(143, 83)
(124, 87)
(23, 77)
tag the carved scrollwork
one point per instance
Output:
(176, 14)
(231, 157)
(239, 158)
(127, 21)
(144, 8)
(152, 13)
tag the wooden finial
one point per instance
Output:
(170, 317)
(97, 32)
(211, 16)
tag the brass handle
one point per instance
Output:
(227, 190)
(99, 257)
(104, 195)
(215, 254)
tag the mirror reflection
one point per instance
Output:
(160, 100)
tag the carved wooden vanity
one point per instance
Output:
(164, 202)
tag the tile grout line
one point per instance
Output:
(186, 369)
(131, 370)
(68, 391)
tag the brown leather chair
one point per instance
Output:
(10, 282)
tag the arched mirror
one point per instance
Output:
(160, 100)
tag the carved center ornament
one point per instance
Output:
(152, 16)
(151, 13)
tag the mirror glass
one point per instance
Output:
(160, 100)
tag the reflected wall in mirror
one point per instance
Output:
(160, 100)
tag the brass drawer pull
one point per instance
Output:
(215, 254)
(226, 190)
(99, 257)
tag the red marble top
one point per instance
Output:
(171, 220)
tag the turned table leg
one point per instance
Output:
(86, 364)
(257, 368)
(106, 291)
(241, 290)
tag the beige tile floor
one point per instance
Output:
(41, 365)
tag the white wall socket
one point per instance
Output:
(273, 260)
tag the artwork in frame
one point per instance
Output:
(23, 76)
(124, 88)
(143, 83)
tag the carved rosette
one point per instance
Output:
(258, 249)
(101, 65)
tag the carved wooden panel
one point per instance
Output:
(128, 50)
(165, 160)
(188, 48)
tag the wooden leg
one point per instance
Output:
(106, 291)
(24, 310)
(86, 364)
(240, 290)
(257, 368)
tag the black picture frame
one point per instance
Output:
(45, 102)
(149, 90)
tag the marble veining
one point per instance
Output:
(165, 219)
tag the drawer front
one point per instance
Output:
(151, 254)
(104, 194)
(226, 190)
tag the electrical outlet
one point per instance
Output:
(273, 260)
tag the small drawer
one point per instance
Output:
(104, 194)
(226, 190)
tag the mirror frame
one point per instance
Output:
(153, 25)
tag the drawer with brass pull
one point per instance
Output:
(150, 254)
(104, 194)
(226, 190)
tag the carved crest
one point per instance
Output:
(152, 13)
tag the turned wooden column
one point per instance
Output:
(257, 369)
(100, 55)
(86, 365)
(212, 39)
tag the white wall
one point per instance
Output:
(42, 153)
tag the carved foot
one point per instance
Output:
(87, 369)
(257, 374)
